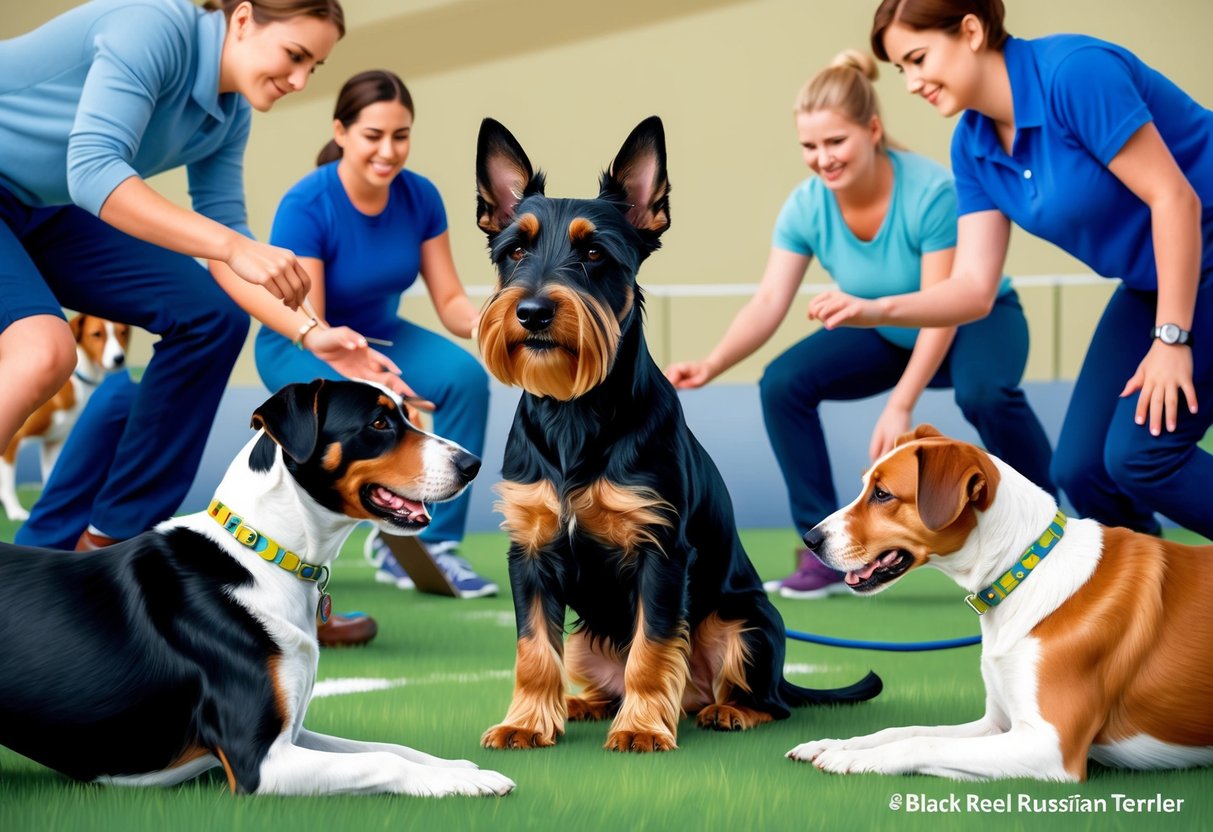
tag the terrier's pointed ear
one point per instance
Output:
(638, 176)
(504, 177)
(291, 417)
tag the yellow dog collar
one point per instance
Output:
(994, 594)
(270, 551)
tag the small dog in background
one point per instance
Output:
(612, 506)
(100, 349)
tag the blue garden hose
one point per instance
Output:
(891, 646)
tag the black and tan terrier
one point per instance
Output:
(612, 507)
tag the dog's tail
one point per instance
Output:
(866, 688)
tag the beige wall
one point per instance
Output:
(571, 78)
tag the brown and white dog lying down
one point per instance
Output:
(100, 349)
(1101, 648)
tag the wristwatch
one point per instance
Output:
(1172, 334)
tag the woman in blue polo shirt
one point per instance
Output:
(1079, 142)
(90, 104)
(364, 228)
(881, 221)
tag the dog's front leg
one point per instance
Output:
(1021, 752)
(340, 745)
(658, 664)
(808, 752)
(291, 769)
(537, 711)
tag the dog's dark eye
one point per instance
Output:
(879, 495)
(593, 254)
(517, 254)
(380, 424)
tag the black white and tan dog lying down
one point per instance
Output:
(1096, 641)
(612, 507)
(194, 645)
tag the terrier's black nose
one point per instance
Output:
(813, 538)
(536, 314)
(468, 466)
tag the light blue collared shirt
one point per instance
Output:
(121, 88)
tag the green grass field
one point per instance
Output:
(446, 671)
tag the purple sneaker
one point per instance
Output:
(812, 579)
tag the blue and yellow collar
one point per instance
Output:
(266, 547)
(994, 594)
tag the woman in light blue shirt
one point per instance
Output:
(1078, 141)
(91, 103)
(882, 221)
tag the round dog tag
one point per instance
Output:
(325, 608)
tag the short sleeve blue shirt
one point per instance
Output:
(921, 219)
(369, 261)
(1077, 101)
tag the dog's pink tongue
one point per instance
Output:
(853, 578)
(398, 503)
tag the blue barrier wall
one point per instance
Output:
(726, 418)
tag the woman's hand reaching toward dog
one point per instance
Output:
(687, 375)
(347, 352)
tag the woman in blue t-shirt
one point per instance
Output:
(881, 221)
(1079, 142)
(364, 227)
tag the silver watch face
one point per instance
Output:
(1169, 333)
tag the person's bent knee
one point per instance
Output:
(975, 401)
(781, 385)
(39, 355)
(1141, 470)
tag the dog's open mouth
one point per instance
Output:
(890, 565)
(398, 510)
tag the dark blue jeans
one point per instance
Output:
(984, 367)
(1110, 467)
(65, 256)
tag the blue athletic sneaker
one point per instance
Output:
(389, 570)
(457, 570)
(460, 573)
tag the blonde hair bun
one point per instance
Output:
(862, 62)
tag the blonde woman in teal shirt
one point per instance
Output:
(881, 221)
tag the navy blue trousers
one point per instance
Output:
(984, 368)
(1111, 468)
(64, 256)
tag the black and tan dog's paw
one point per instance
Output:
(640, 741)
(730, 718)
(517, 736)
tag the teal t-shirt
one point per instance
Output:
(921, 219)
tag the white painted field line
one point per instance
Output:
(794, 669)
(367, 684)
(344, 687)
